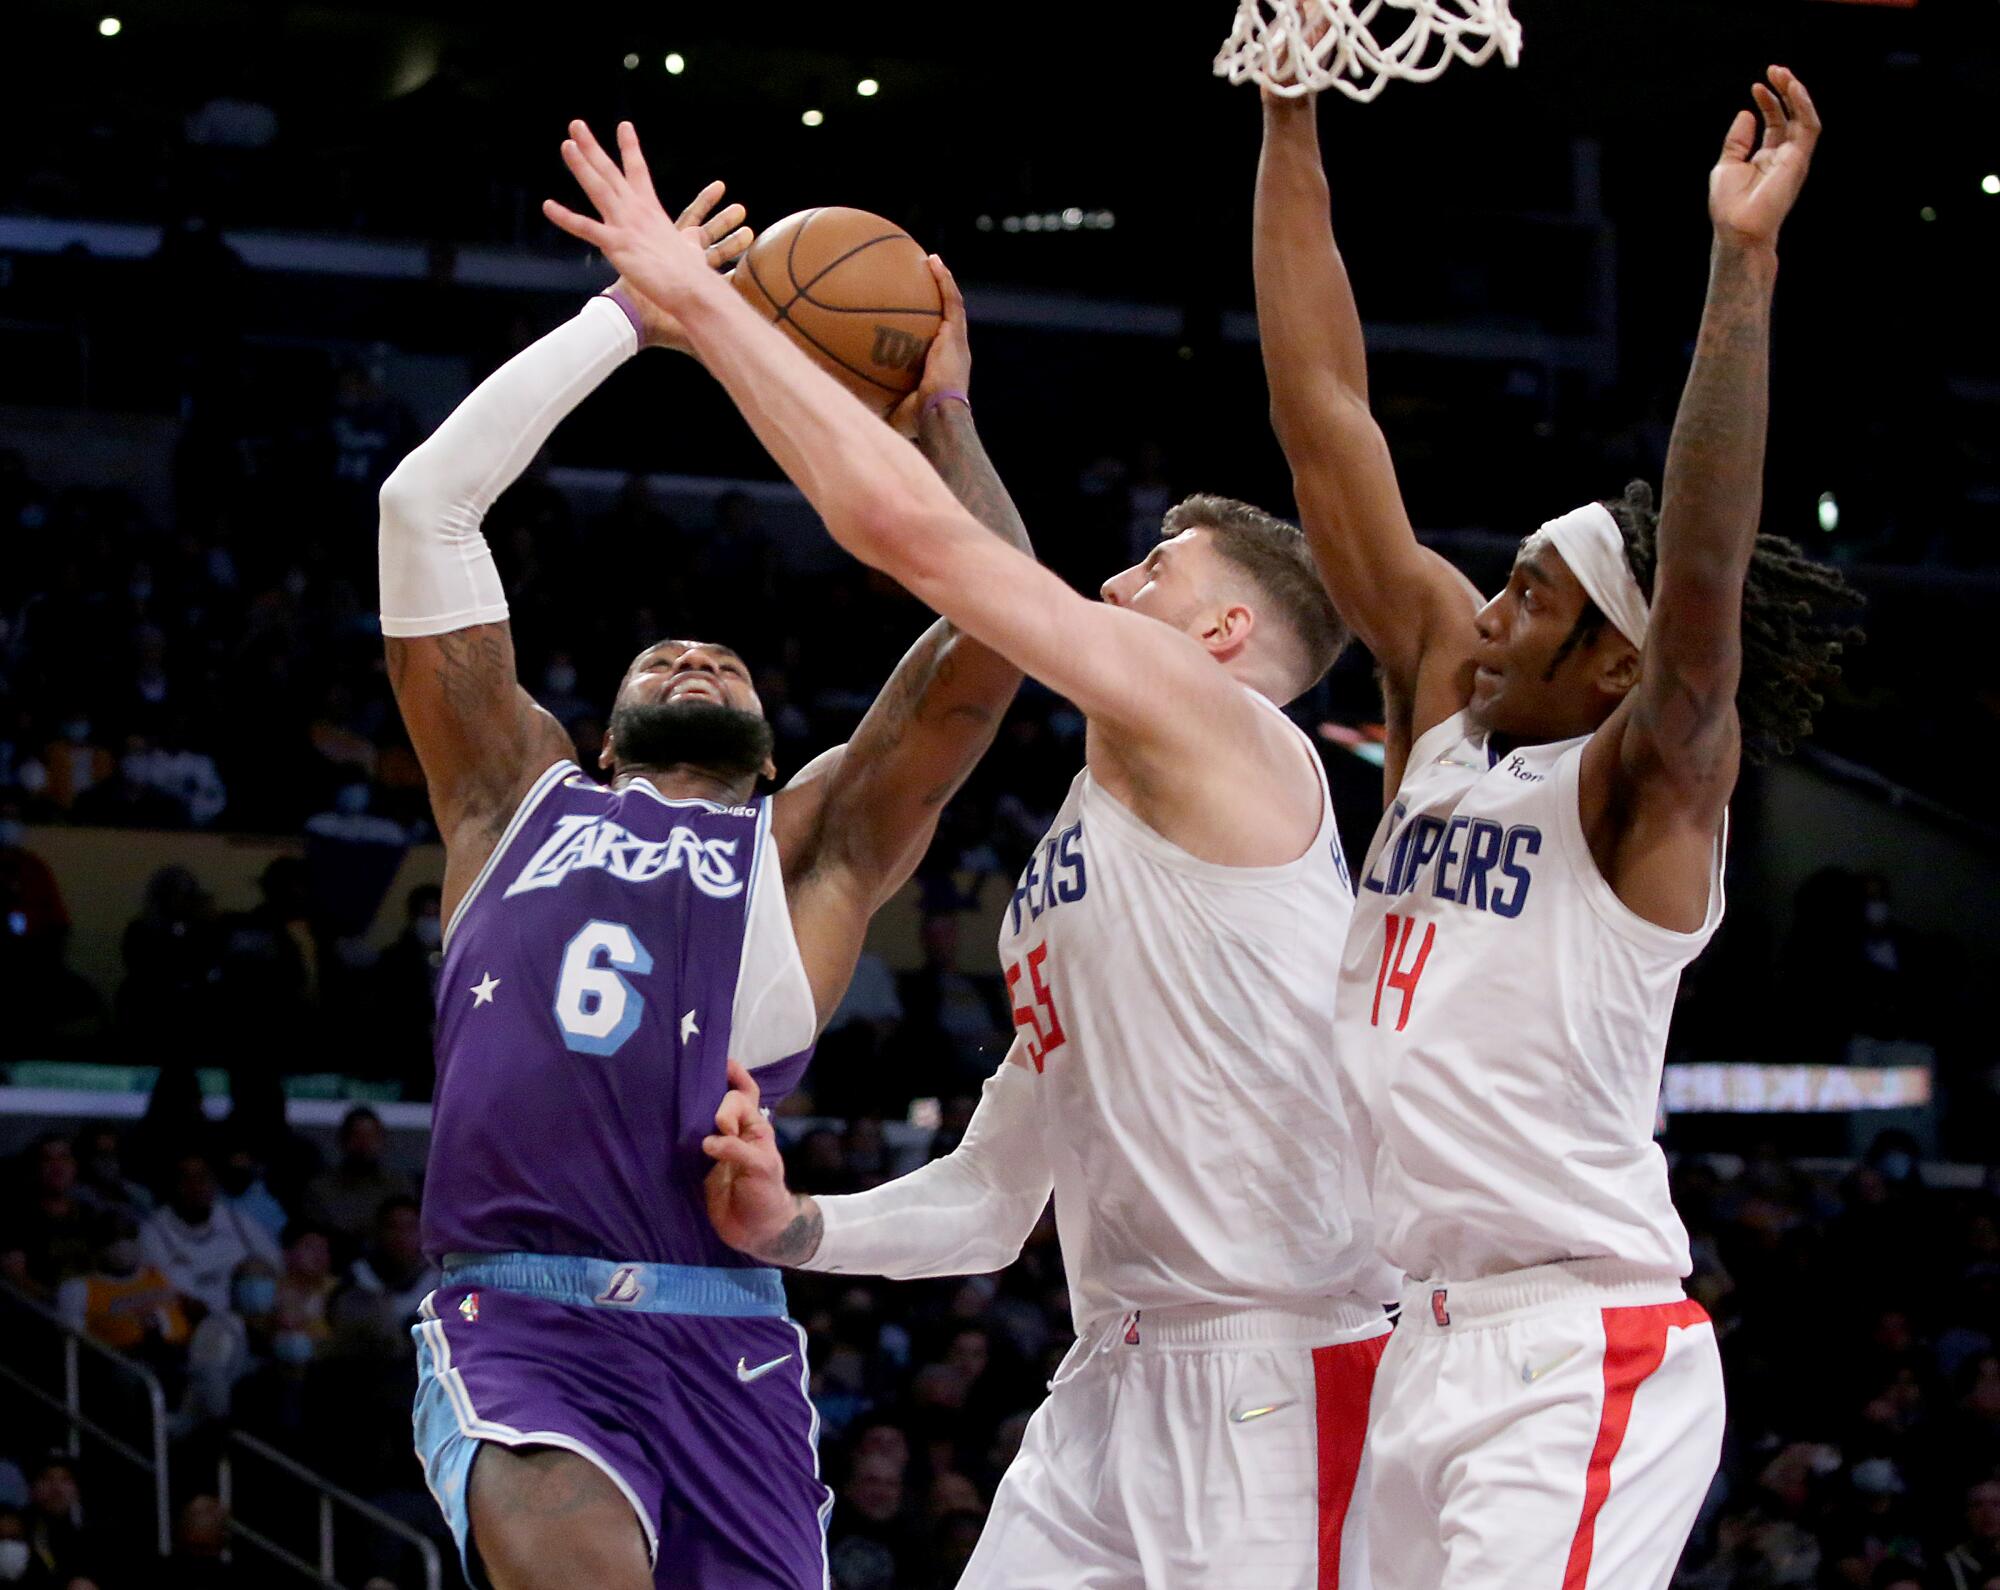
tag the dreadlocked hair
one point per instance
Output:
(1792, 636)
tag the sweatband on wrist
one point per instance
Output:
(623, 299)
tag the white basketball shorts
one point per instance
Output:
(1195, 1448)
(1547, 1429)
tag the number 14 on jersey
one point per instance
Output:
(1037, 1019)
(1400, 972)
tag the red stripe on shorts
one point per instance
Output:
(1635, 1344)
(1343, 1380)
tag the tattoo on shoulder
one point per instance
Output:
(800, 1240)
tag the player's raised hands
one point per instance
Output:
(726, 240)
(1754, 185)
(662, 259)
(948, 365)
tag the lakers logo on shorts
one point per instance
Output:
(623, 1289)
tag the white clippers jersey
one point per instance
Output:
(1502, 1024)
(1178, 1014)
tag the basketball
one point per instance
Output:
(854, 291)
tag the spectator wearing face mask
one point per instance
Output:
(241, 1176)
(124, 1302)
(199, 1240)
(230, 1344)
(345, 1198)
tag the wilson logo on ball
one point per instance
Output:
(898, 350)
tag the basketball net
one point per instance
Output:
(1294, 47)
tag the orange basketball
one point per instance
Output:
(851, 289)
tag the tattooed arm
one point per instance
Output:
(481, 738)
(1658, 777)
(874, 802)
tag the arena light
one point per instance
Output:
(676, 63)
(867, 88)
(1829, 512)
(1070, 220)
(110, 27)
(1928, 213)
(632, 62)
(812, 118)
(1990, 183)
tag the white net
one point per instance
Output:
(1296, 47)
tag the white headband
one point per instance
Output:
(1590, 543)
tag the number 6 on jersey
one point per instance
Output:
(596, 1008)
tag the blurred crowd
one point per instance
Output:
(273, 1288)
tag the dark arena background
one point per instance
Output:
(251, 253)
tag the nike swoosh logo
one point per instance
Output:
(1530, 1374)
(1245, 1415)
(746, 1375)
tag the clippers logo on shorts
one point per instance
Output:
(623, 1289)
(1438, 1311)
(582, 841)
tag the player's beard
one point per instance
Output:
(723, 740)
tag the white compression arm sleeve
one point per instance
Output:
(437, 571)
(965, 1214)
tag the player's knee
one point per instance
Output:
(546, 1519)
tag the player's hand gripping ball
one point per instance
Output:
(855, 291)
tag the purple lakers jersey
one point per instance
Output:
(614, 953)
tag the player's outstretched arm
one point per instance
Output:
(480, 737)
(1405, 602)
(1679, 741)
(884, 503)
(868, 810)
(965, 1214)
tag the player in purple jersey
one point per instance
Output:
(596, 1353)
